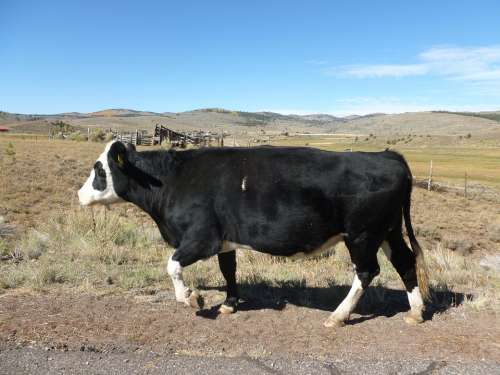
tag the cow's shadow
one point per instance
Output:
(376, 301)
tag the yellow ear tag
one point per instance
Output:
(120, 160)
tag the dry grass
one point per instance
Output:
(106, 251)
(58, 245)
(84, 250)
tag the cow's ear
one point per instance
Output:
(118, 154)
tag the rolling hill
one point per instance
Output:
(481, 124)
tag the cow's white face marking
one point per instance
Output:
(244, 184)
(89, 194)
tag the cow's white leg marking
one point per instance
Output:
(414, 316)
(416, 305)
(244, 184)
(342, 312)
(174, 270)
(182, 292)
(387, 249)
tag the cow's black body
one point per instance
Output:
(293, 199)
(276, 200)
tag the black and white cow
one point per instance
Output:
(281, 201)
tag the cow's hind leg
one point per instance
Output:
(403, 259)
(363, 251)
(227, 264)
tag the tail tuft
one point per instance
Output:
(421, 269)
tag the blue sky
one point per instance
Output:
(338, 57)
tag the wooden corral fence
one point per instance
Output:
(162, 134)
(139, 137)
(178, 139)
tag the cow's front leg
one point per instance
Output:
(182, 293)
(227, 264)
(198, 243)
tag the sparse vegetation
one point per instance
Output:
(61, 127)
(102, 250)
(494, 232)
(10, 151)
(98, 135)
(77, 136)
(84, 250)
(121, 250)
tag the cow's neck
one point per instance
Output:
(149, 173)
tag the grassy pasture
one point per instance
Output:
(451, 161)
(58, 245)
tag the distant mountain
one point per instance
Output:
(322, 117)
(241, 122)
(119, 112)
(354, 117)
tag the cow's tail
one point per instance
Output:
(421, 268)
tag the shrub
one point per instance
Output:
(429, 232)
(77, 136)
(98, 135)
(62, 127)
(462, 246)
(4, 248)
(494, 232)
(11, 280)
(108, 137)
(10, 151)
(32, 246)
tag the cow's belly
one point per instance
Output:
(228, 246)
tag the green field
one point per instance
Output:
(480, 161)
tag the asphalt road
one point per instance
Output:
(30, 360)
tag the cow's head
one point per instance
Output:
(107, 181)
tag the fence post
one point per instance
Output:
(429, 182)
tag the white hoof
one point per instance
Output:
(413, 318)
(332, 322)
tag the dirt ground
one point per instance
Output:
(126, 323)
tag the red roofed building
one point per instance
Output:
(4, 129)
